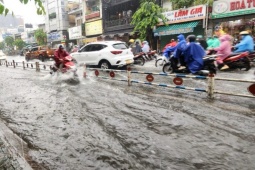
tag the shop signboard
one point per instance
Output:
(186, 14)
(75, 33)
(176, 31)
(54, 36)
(229, 8)
(93, 28)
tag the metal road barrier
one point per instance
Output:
(178, 81)
(26, 65)
(178, 78)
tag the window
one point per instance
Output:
(120, 46)
(86, 48)
(98, 47)
(35, 49)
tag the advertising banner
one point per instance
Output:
(187, 14)
(94, 28)
(229, 8)
(75, 32)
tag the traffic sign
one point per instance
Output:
(251, 89)
(149, 78)
(178, 81)
(112, 74)
(96, 73)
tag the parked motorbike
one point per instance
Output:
(66, 67)
(139, 59)
(209, 67)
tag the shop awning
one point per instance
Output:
(176, 28)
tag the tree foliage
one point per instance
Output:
(146, 17)
(40, 36)
(19, 43)
(177, 4)
(39, 7)
(2, 45)
(9, 41)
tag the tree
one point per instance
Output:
(146, 17)
(19, 43)
(40, 36)
(2, 45)
(9, 41)
(39, 7)
(177, 4)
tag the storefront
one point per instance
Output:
(93, 30)
(234, 16)
(184, 21)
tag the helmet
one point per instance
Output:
(244, 33)
(60, 46)
(131, 40)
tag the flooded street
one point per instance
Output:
(101, 124)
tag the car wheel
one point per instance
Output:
(104, 65)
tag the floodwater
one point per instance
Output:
(102, 124)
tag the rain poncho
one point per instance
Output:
(146, 47)
(193, 56)
(224, 50)
(181, 46)
(246, 44)
(60, 55)
(215, 43)
(209, 42)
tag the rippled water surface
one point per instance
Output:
(101, 124)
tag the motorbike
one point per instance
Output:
(240, 61)
(209, 67)
(237, 61)
(67, 66)
(139, 59)
(152, 54)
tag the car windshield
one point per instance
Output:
(120, 46)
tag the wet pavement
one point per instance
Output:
(102, 124)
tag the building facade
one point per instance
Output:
(184, 21)
(233, 16)
(56, 21)
(93, 20)
(117, 16)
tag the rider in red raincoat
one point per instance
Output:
(59, 55)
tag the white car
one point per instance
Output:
(2, 55)
(105, 54)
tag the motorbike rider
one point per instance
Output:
(246, 44)
(224, 50)
(172, 43)
(215, 42)
(193, 55)
(137, 48)
(202, 42)
(180, 46)
(59, 55)
(146, 47)
(178, 53)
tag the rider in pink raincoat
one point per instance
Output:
(224, 50)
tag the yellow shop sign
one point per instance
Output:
(94, 28)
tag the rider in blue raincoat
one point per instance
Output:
(246, 44)
(193, 55)
(177, 50)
